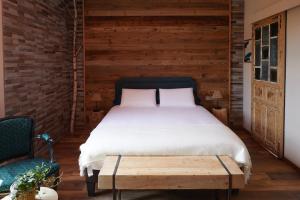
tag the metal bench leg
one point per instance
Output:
(114, 191)
(119, 195)
(116, 194)
(91, 182)
(229, 179)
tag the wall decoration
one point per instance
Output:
(248, 51)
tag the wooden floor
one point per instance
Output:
(271, 179)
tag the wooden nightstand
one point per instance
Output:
(221, 114)
(95, 118)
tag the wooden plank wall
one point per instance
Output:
(237, 48)
(37, 63)
(130, 38)
(80, 109)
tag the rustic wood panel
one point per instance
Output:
(237, 47)
(127, 46)
(37, 63)
(157, 8)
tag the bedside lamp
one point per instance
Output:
(96, 98)
(217, 95)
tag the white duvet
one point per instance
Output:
(161, 131)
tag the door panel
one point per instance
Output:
(268, 77)
(272, 132)
(259, 93)
(259, 117)
(272, 96)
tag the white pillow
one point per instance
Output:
(138, 98)
(181, 97)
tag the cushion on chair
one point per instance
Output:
(15, 137)
(9, 172)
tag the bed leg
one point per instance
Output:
(215, 195)
(91, 182)
(235, 191)
(228, 194)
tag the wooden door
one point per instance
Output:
(268, 79)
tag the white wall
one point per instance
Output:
(256, 10)
(292, 101)
(1, 67)
(247, 96)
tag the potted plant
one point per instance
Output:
(26, 185)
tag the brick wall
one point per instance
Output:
(37, 63)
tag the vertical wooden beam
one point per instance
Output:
(229, 58)
(2, 105)
(83, 48)
(75, 81)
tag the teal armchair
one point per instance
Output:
(17, 150)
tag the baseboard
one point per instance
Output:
(291, 164)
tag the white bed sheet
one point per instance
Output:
(161, 131)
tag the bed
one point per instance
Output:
(161, 131)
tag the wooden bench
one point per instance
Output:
(170, 172)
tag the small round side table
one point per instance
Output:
(45, 193)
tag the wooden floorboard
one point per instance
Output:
(272, 179)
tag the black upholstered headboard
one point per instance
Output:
(155, 83)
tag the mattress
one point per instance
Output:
(163, 131)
